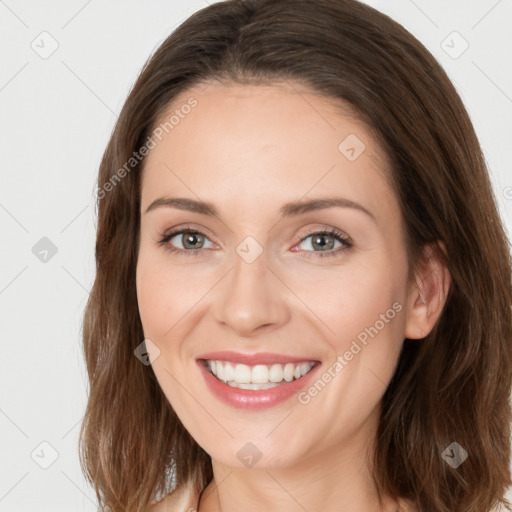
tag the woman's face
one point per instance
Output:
(254, 289)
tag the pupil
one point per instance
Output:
(317, 244)
(190, 239)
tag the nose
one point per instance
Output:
(251, 299)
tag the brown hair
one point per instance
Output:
(453, 385)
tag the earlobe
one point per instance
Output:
(428, 293)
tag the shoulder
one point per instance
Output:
(408, 506)
(182, 499)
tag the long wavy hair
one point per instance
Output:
(453, 385)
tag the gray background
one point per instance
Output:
(56, 113)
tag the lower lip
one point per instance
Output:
(257, 399)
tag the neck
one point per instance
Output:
(336, 479)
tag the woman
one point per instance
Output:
(303, 289)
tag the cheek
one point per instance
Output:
(350, 300)
(169, 295)
(369, 324)
(155, 295)
(161, 305)
(363, 319)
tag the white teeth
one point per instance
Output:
(229, 371)
(242, 374)
(259, 376)
(257, 386)
(288, 372)
(276, 373)
(219, 370)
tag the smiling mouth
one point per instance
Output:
(257, 377)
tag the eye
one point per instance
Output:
(322, 243)
(186, 241)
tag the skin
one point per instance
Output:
(248, 150)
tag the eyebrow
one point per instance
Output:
(287, 210)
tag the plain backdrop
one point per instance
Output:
(65, 71)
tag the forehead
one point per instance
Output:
(246, 143)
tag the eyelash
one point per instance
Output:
(345, 240)
(338, 235)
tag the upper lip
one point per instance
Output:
(253, 359)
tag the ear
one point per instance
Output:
(428, 293)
